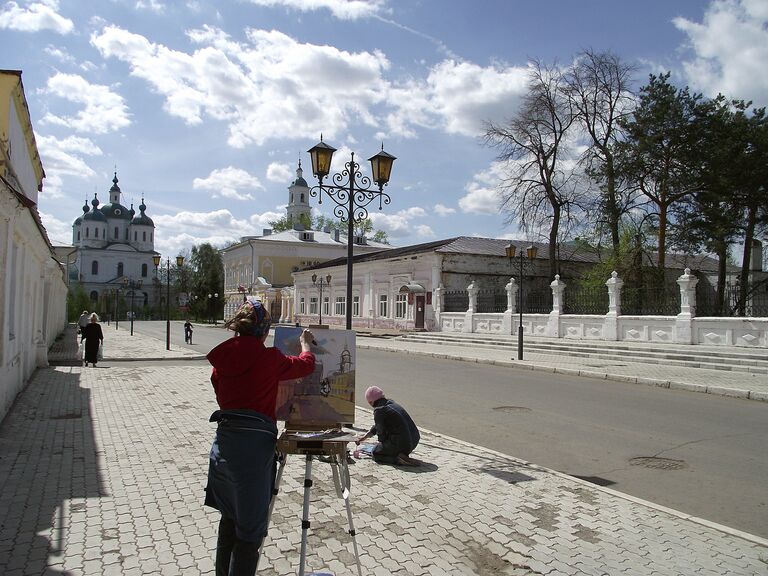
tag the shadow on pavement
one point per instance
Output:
(49, 467)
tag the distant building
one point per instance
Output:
(114, 245)
(33, 309)
(263, 266)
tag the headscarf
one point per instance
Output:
(251, 319)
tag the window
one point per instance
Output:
(119, 269)
(401, 305)
(383, 305)
(78, 235)
(135, 236)
(355, 305)
(94, 296)
(340, 308)
(87, 232)
(313, 305)
(96, 232)
(326, 305)
(117, 235)
(94, 267)
(144, 236)
(143, 270)
(301, 306)
(127, 236)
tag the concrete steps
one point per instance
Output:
(714, 358)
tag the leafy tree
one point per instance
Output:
(539, 186)
(206, 276)
(598, 87)
(362, 227)
(660, 149)
(77, 301)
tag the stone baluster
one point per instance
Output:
(553, 322)
(506, 319)
(684, 320)
(469, 316)
(611, 320)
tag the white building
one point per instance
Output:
(263, 265)
(33, 291)
(115, 246)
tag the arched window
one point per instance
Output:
(117, 235)
(94, 296)
(144, 237)
(119, 269)
(78, 235)
(127, 237)
(96, 232)
(143, 270)
(151, 235)
(135, 236)
(87, 232)
(94, 267)
(302, 198)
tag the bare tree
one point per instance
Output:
(598, 87)
(539, 186)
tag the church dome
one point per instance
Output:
(95, 215)
(116, 210)
(79, 219)
(142, 219)
(300, 178)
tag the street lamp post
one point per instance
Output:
(212, 305)
(351, 192)
(117, 308)
(531, 252)
(320, 284)
(179, 262)
(132, 285)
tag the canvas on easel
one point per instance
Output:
(326, 398)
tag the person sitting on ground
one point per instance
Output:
(398, 435)
(242, 465)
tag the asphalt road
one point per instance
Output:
(697, 453)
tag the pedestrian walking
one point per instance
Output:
(398, 435)
(83, 321)
(242, 464)
(94, 340)
(188, 332)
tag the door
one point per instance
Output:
(418, 315)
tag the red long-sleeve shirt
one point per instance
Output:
(246, 373)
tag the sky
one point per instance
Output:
(204, 108)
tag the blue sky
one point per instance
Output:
(205, 107)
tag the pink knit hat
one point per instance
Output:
(373, 393)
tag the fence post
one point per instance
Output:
(553, 322)
(437, 305)
(684, 320)
(506, 318)
(611, 320)
(468, 317)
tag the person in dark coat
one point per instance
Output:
(398, 435)
(94, 338)
(242, 465)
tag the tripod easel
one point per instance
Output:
(332, 446)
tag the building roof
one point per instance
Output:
(319, 237)
(569, 252)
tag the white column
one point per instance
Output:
(684, 320)
(553, 322)
(506, 318)
(611, 320)
(469, 316)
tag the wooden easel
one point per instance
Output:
(311, 444)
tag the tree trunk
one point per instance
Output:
(553, 231)
(612, 208)
(722, 261)
(662, 259)
(749, 236)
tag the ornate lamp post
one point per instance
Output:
(320, 284)
(531, 253)
(132, 285)
(351, 192)
(117, 308)
(179, 262)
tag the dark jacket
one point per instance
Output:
(396, 431)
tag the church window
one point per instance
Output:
(135, 236)
(78, 235)
(117, 235)
(127, 237)
(95, 267)
(151, 235)
(87, 232)
(119, 269)
(94, 296)
(143, 270)
(144, 237)
(302, 198)
(96, 232)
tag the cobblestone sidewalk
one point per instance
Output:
(103, 472)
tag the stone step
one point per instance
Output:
(694, 358)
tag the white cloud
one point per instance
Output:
(398, 225)
(229, 182)
(341, 9)
(64, 157)
(279, 172)
(442, 210)
(59, 232)
(150, 5)
(104, 111)
(36, 17)
(59, 54)
(424, 231)
(731, 50)
(482, 193)
(266, 88)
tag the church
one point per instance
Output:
(114, 250)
